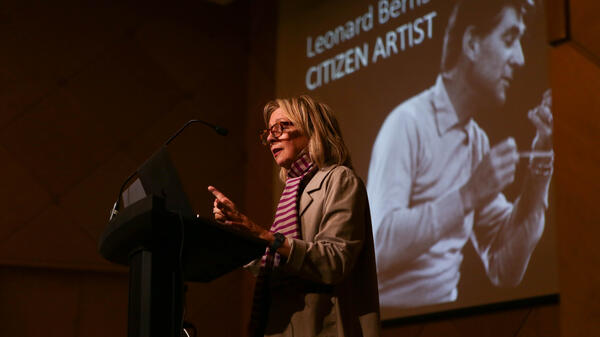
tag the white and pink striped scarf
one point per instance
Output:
(286, 215)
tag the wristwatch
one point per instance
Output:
(279, 238)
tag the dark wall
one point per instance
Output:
(576, 81)
(88, 91)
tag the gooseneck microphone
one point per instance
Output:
(218, 129)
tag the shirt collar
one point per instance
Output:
(445, 115)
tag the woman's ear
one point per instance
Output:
(470, 43)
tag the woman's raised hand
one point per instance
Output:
(225, 212)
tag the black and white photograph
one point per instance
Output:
(448, 113)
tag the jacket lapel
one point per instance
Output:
(313, 185)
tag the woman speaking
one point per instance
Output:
(317, 277)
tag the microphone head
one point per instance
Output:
(221, 131)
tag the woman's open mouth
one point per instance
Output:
(275, 151)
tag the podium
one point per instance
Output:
(164, 247)
(163, 250)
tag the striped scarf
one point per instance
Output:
(286, 215)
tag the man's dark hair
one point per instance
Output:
(483, 15)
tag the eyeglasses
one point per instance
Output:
(276, 130)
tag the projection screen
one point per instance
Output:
(426, 92)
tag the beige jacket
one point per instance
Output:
(328, 286)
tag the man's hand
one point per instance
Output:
(227, 213)
(541, 117)
(491, 176)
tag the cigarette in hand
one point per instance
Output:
(536, 154)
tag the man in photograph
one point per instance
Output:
(435, 182)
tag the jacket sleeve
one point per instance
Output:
(253, 266)
(330, 256)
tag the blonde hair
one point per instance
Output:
(317, 122)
